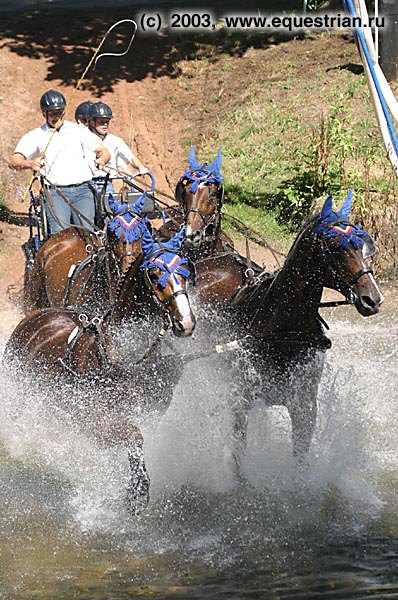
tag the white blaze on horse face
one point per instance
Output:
(184, 309)
(189, 232)
(375, 295)
(372, 279)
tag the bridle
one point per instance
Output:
(211, 222)
(346, 287)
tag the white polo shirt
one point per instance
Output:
(68, 156)
(119, 151)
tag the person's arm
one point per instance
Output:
(102, 156)
(135, 163)
(18, 162)
(129, 158)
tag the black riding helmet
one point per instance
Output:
(52, 100)
(81, 111)
(99, 109)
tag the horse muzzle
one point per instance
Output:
(368, 305)
(193, 239)
(183, 327)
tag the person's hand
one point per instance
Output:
(100, 164)
(35, 164)
(143, 171)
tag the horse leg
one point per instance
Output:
(137, 497)
(303, 407)
(116, 429)
(303, 418)
(240, 414)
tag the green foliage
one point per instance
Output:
(336, 159)
(294, 134)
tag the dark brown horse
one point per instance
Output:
(57, 342)
(220, 271)
(200, 194)
(287, 344)
(78, 268)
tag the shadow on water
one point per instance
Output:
(67, 38)
(331, 531)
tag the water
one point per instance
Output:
(329, 533)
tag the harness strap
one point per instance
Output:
(93, 326)
(359, 274)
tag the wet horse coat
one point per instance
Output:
(287, 343)
(66, 343)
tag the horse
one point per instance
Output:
(65, 342)
(77, 268)
(220, 271)
(279, 317)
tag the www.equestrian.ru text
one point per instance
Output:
(196, 20)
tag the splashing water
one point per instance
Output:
(65, 530)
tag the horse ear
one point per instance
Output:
(192, 161)
(175, 242)
(113, 204)
(327, 207)
(215, 167)
(147, 242)
(345, 209)
(138, 205)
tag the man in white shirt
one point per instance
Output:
(99, 116)
(64, 161)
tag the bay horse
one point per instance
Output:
(287, 344)
(220, 271)
(77, 268)
(56, 342)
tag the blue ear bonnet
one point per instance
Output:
(335, 224)
(165, 257)
(127, 219)
(199, 173)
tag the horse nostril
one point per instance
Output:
(367, 300)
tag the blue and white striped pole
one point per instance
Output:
(383, 99)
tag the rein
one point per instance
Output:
(73, 208)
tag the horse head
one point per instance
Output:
(344, 249)
(200, 192)
(125, 231)
(165, 275)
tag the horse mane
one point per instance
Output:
(304, 228)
